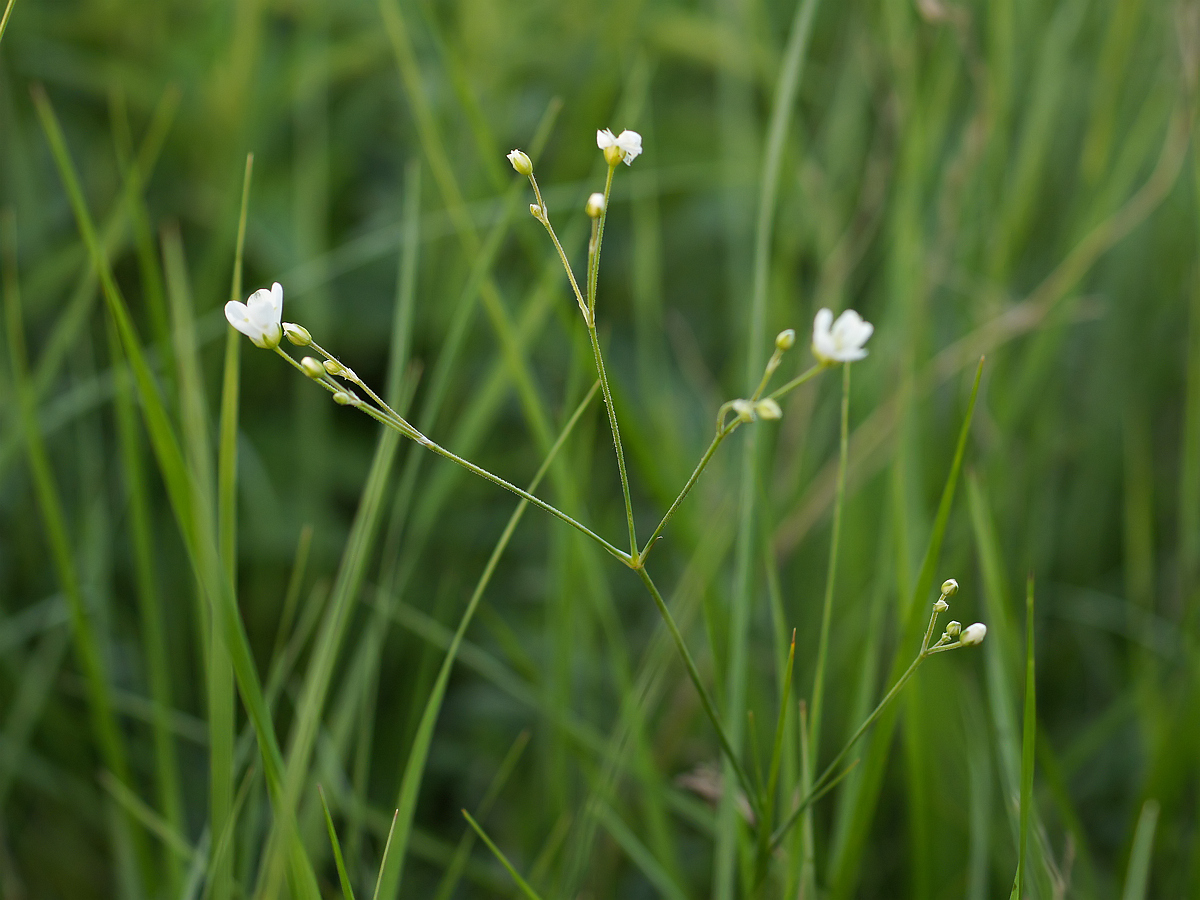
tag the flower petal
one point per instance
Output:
(605, 139)
(630, 143)
(238, 316)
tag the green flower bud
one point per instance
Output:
(785, 340)
(297, 334)
(312, 368)
(768, 409)
(949, 587)
(333, 367)
(953, 629)
(345, 398)
(521, 162)
(595, 206)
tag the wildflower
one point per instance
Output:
(973, 634)
(521, 162)
(843, 342)
(785, 340)
(259, 317)
(625, 146)
(595, 205)
(949, 587)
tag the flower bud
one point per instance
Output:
(333, 367)
(973, 634)
(521, 162)
(312, 368)
(345, 398)
(744, 410)
(785, 340)
(768, 409)
(941, 605)
(297, 334)
(595, 205)
(949, 587)
(535, 211)
(953, 628)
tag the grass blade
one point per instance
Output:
(1137, 876)
(521, 882)
(343, 878)
(1028, 743)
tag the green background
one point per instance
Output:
(1009, 178)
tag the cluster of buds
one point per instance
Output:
(954, 635)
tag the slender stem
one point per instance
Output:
(687, 488)
(544, 218)
(616, 434)
(387, 416)
(797, 381)
(818, 696)
(705, 700)
(594, 256)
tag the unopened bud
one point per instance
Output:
(535, 211)
(297, 334)
(312, 368)
(333, 367)
(953, 628)
(785, 340)
(941, 605)
(744, 410)
(521, 162)
(345, 398)
(768, 409)
(595, 205)
(949, 587)
(973, 634)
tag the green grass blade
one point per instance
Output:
(1028, 744)
(54, 521)
(463, 851)
(220, 670)
(1137, 876)
(4, 19)
(200, 543)
(343, 878)
(387, 850)
(529, 892)
(641, 856)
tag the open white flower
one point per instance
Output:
(625, 146)
(840, 341)
(260, 317)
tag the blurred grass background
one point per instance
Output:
(1008, 178)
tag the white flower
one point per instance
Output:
(973, 634)
(625, 146)
(843, 342)
(259, 317)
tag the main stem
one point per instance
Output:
(705, 700)
(616, 435)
